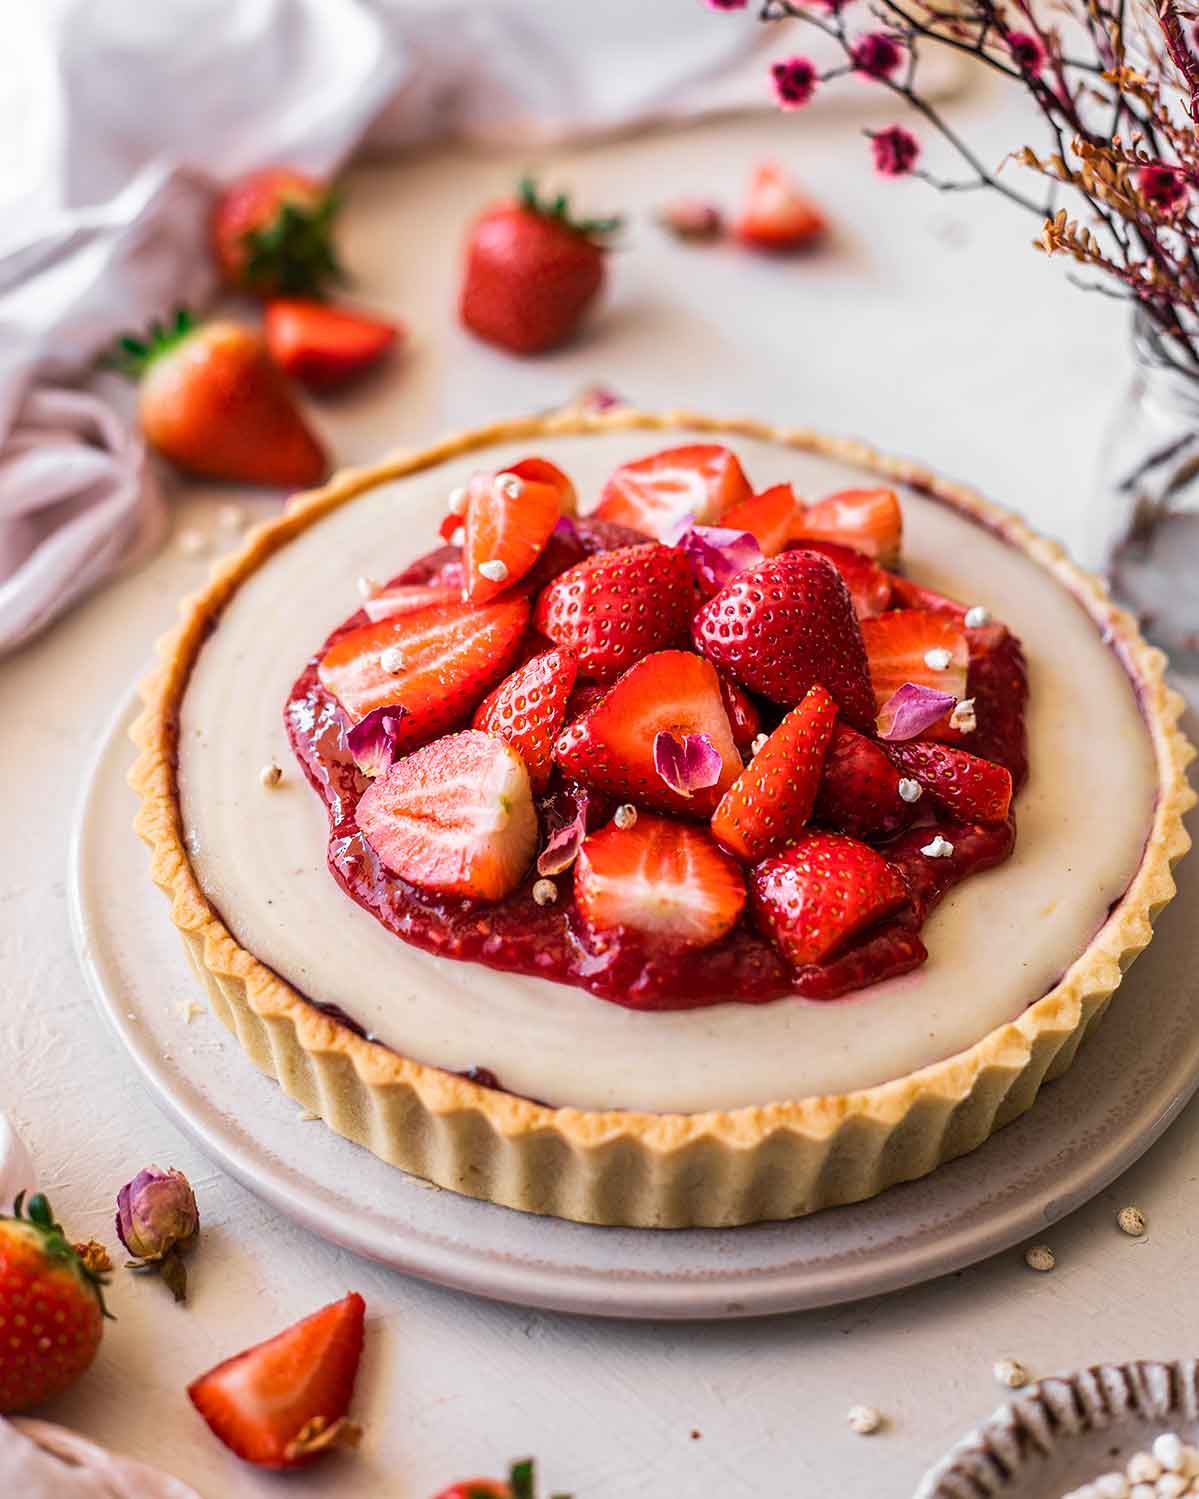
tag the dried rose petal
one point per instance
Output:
(911, 709)
(562, 848)
(373, 740)
(719, 553)
(688, 764)
(692, 218)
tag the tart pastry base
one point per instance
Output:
(779, 1160)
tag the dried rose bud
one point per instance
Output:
(692, 218)
(157, 1219)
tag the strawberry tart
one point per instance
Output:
(659, 821)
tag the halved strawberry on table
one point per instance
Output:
(656, 495)
(814, 897)
(973, 789)
(528, 709)
(914, 645)
(323, 346)
(777, 216)
(282, 1403)
(768, 804)
(617, 607)
(456, 816)
(508, 522)
(859, 788)
(612, 747)
(437, 663)
(785, 625)
(869, 520)
(666, 879)
(771, 517)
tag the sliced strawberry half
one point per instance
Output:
(655, 495)
(777, 216)
(859, 790)
(744, 718)
(784, 625)
(456, 816)
(913, 645)
(612, 746)
(411, 598)
(822, 891)
(508, 522)
(617, 607)
(771, 518)
(974, 789)
(528, 709)
(869, 586)
(666, 879)
(771, 800)
(282, 1403)
(323, 346)
(869, 520)
(449, 659)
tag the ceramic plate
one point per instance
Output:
(1123, 1091)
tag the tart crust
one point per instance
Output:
(774, 1161)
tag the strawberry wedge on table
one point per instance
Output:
(656, 495)
(777, 216)
(322, 346)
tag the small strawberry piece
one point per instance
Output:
(528, 710)
(542, 471)
(666, 879)
(612, 747)
(456, 816)
(784, 625)
(771, 517)
(452, 657)
(321, 346)
(655, 495)
(777, 216)
(617, 607)
(508, 523)
(973, 789)
(767, 806)
(859, 790)
(272, 234)
(822, 891)
(410, 598)
(212, 401)
(51, 1308)
(869, 586)
(744, 718)
(531, 272)
(282, 1403)
(907, 645)
(982, 638)
(869, 520)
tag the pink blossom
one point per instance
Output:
(1162, 186)
(896, 151)
(877, 54)
(795, 81)
(1028, 52)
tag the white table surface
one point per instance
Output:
(928, 326)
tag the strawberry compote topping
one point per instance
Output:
(671, 769)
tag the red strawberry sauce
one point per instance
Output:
(552, 942)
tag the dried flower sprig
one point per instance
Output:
(1120, 103)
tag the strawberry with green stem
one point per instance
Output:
(520, 1484)
(272, 234)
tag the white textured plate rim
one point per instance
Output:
(536, 1278)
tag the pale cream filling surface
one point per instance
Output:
(997, 943)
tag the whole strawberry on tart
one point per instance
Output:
(659, 789)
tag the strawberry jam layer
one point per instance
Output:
(621, 966)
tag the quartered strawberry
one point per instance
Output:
(655, 495)
(784, 625)
(616, 607)
(542, 471)
(823, 890)
(859, 790)
(771, 517)
(612, 746)
(322, 346)
(869, 520)
(528, 710)
(448, 659)
(663, 878)
(973, 789)
(768, 804)
(456, 816)
(744, 718)
(869, 586)
(777, 216)
(508, 522)
(282, 1403)
(411, 598)
(912, 645)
